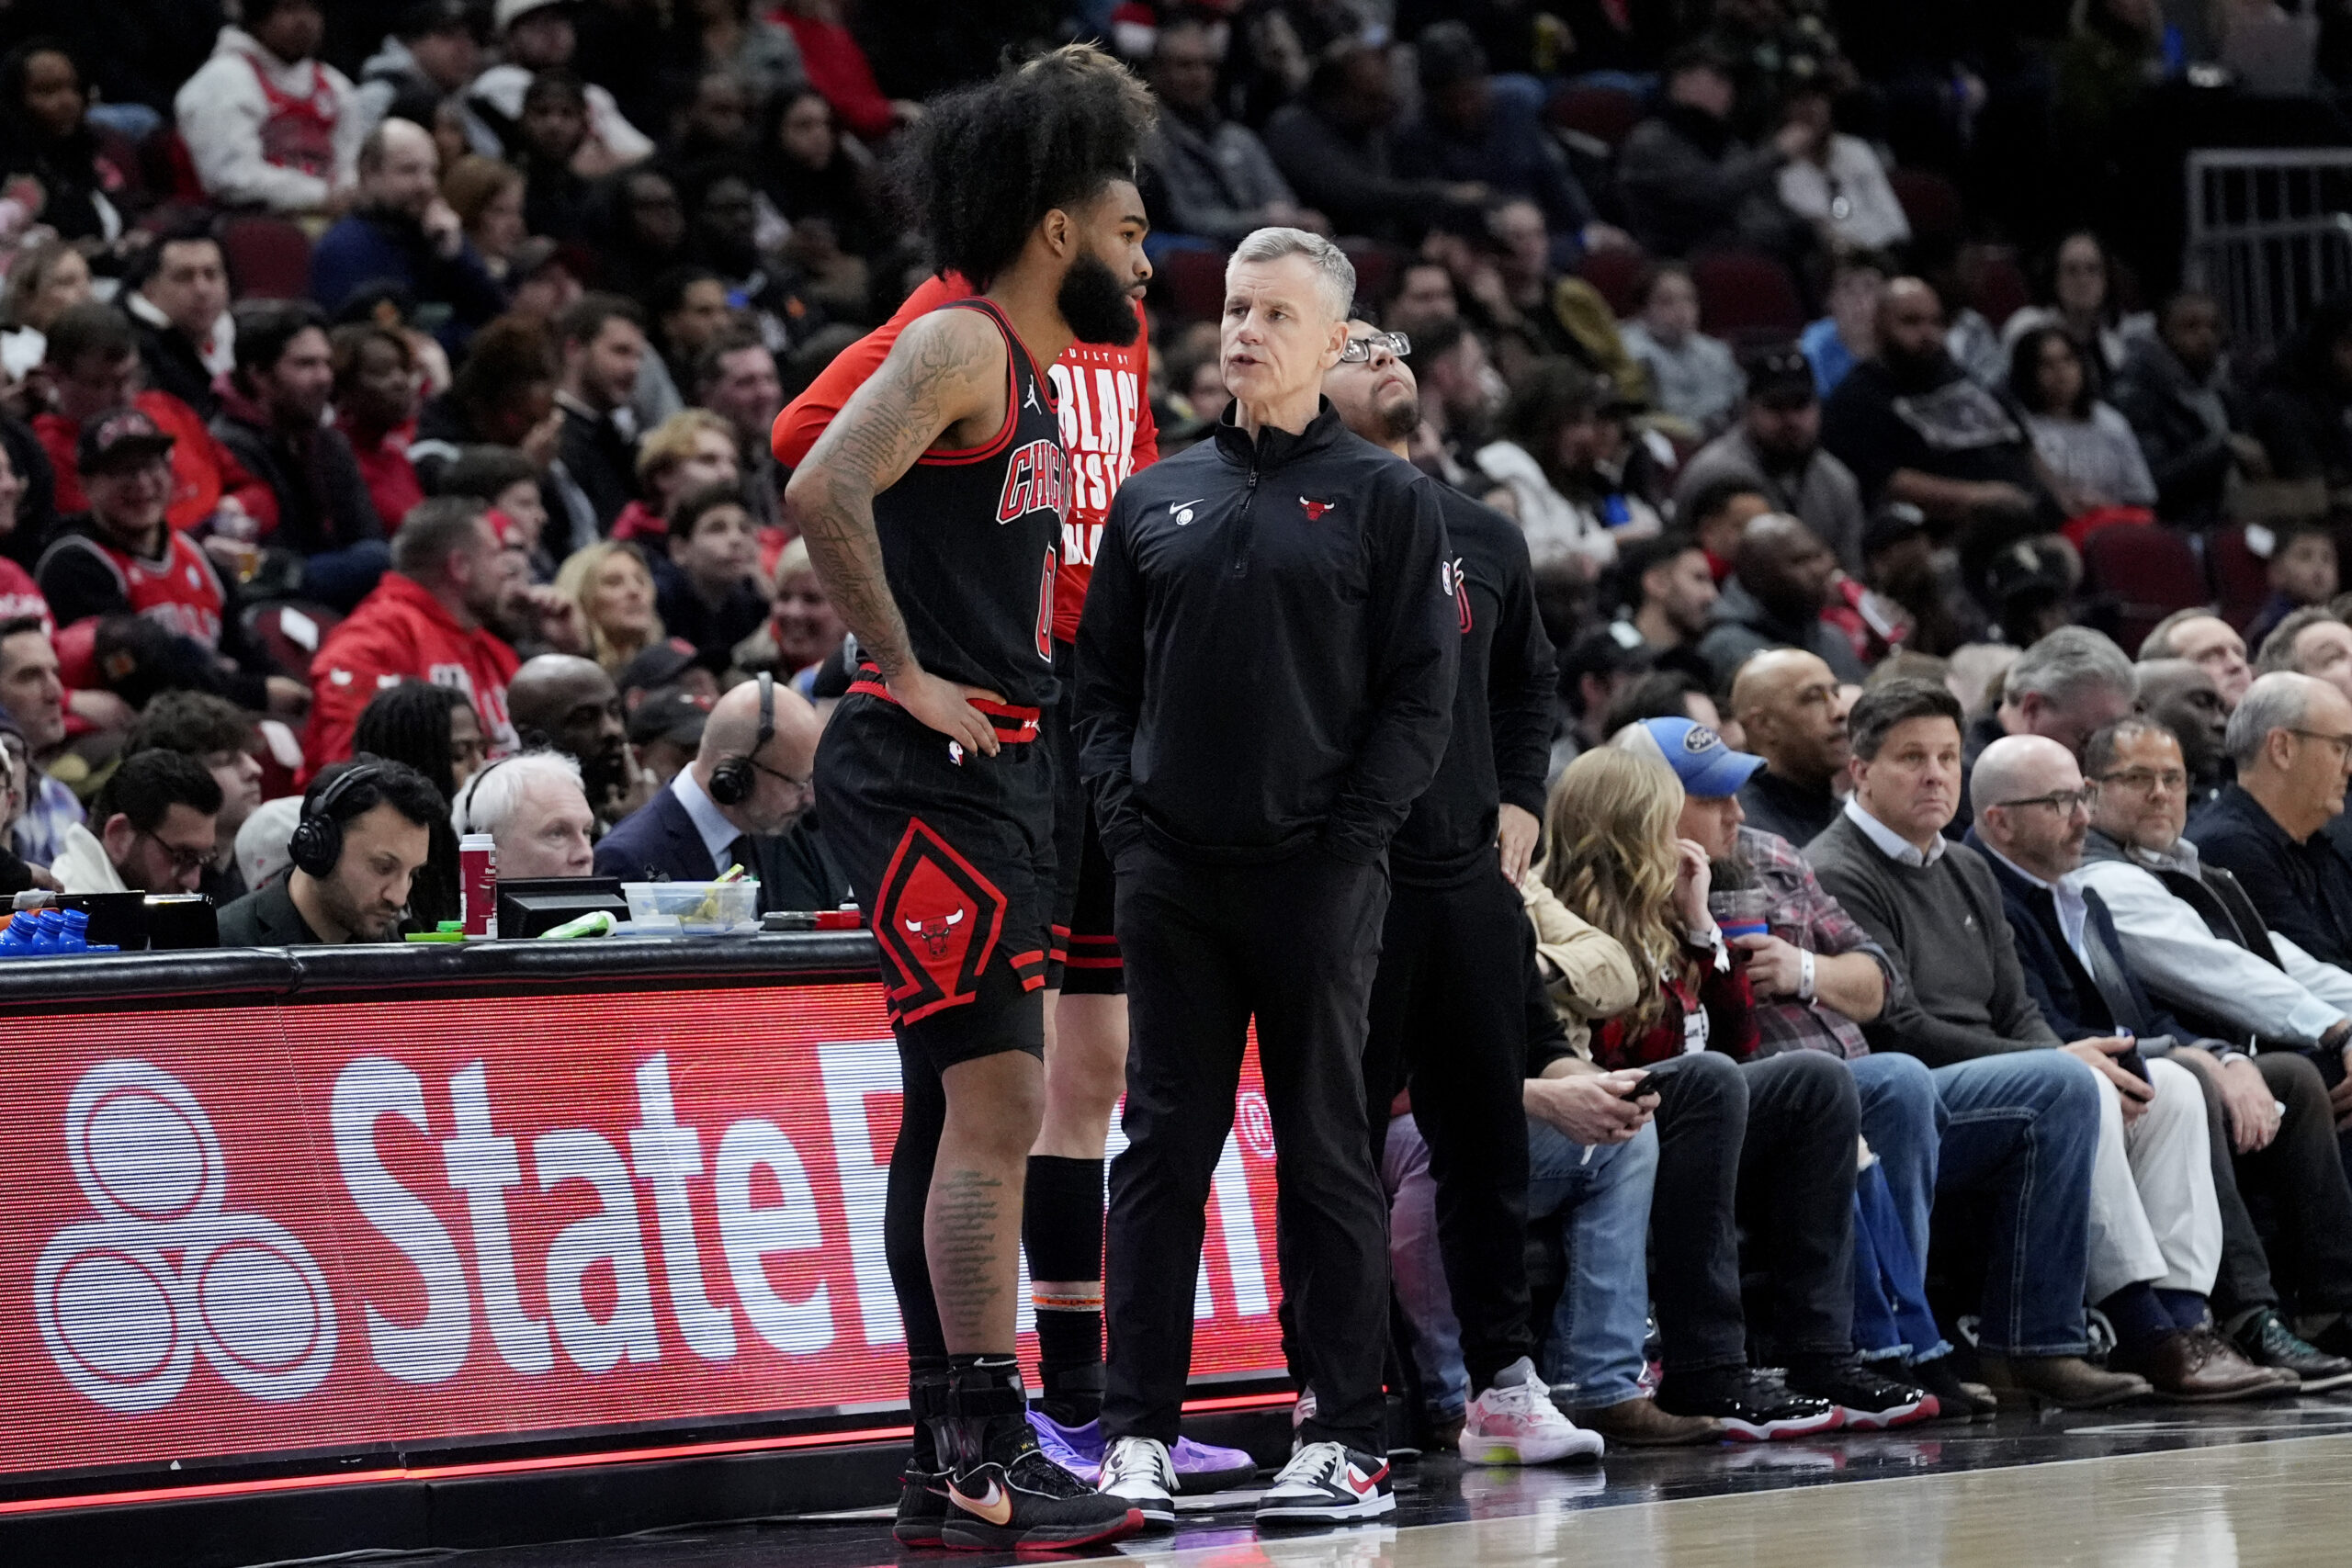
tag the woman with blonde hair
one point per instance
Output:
(613, 588)
(1765, 1145)
(692, 448)
(49, 277)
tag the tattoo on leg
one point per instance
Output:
(967, 1249)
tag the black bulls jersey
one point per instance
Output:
(970, 542)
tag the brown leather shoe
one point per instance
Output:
(2198, 1367)
(2067, 1380)
(1638, 1423)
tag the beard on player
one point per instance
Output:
(1399, 413)
(1095, 303)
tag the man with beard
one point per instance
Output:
(563, 702)
(401, 229)
(1102, 398)
(1913, 427)
(1671, 591)
(934, 505)
(1266, 675)
(1775, 447)
(366, 828)
(2183, 698)
(1779, 584)
(1786, 701)
(1448, 1008)
(735, 379)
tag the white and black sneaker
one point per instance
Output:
(1140, 1471)
(1329, 1484)
(1753, 1407)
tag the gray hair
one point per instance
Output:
(1335, 274)
(2281, 700)
(489, 800)
(2067, 662)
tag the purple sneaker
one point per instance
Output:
(1077, 1450)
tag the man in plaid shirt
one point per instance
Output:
(1804, 916)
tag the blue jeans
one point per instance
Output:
(1595, 1343)
(2021, 1129)
(1902, 1119)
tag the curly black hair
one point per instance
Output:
(987, 162)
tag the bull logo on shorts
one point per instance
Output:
(934, 934)
(938, 921)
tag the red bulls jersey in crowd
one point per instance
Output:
(178, 589)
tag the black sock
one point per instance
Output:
(927, 1398)
(2139, 1315)
(2186, 1308)
(1061, 1230)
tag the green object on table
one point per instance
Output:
(596, 922)
(445, 934)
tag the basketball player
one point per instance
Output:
(933, 505)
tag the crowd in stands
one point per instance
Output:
(385, 401)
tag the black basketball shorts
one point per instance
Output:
(1085, 956)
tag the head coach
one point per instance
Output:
(1265, 685)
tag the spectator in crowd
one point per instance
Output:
(1774, 1132)
(602, 340)
(665, 729)
(1691, 185)
(691, 449)
(533, 807)
(33, 697)
(2033, 812)
(2064, 686)
(1780, 582)
(714, 125)
(221, 735)
(714, 599)
(503, 396)
(817, 185)
(684, 835)
(19, 595)
(176, 292)
(723, 35)
(267, 122)
(430, 53)
(1210, 177)
(1717, 513)
(1594, 670)
(1337, 147)
(2183, 698)
(506, 482)
(1479, 129)
(735, 379)
(549, 143)
(613, 588)
(1787, 703)
(262, 841)
(1692, 377)
(1913, 428)
(2313, 642)
(1837, 184)
(1461, 394)
(837, 67)
(1958, 998)
(563, 702)
(686, 306)
(1421, 299)
(353, 884)
(1663, 693)
(273, 410)
(400, 231)
(154, 816)
(775, 301)
(89, 178)
(487, 196)
(94, 368)
(637, 225)
(376, 383)
(1557, 462)
(2290, 737)
(17, 774)
(49, 278)
(1672, 594)
(805, 626)
(427, 620)
(535, 37)
(2174, 387)
(2086, 449)
(1849, 333)
(1775, 447)
(2190, 933)
(2207, 641)
(2301, 571)
(122, 558)
(2085, 306)
(434, 730)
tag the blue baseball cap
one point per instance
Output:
(1706, 766)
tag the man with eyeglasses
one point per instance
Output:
(155, 820)
(2157, 1234)
(2292, 738)
(2193, 937)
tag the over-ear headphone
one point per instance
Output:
(473, 787)
(317, 844)
(732, 782)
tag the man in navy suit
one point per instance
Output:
(684, 835)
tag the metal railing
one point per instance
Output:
(2269, 236)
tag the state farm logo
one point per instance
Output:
(127, 1301)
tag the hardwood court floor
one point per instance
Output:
(2156, 1488)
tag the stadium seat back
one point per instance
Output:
(1932, 203)
(1742, 294)
(268, 258)
(1605, 114)
(2241, 579)
(2132, 578)
(1618, 276)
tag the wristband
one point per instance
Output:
(1804, 974)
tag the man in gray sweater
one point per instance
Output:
(2016, 1102)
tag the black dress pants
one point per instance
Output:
(1294, 943)
(2299, 1183)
